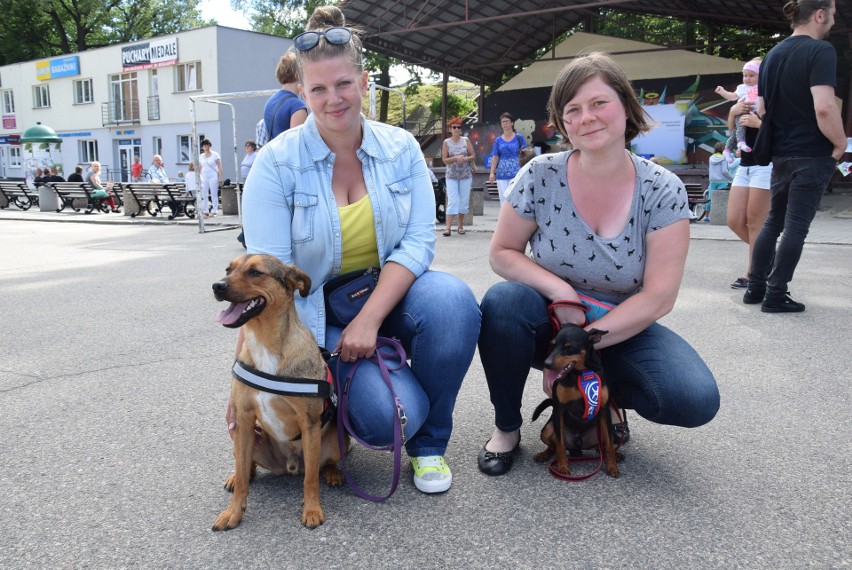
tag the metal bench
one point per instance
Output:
(17, 193)
(68, 192)
(153, 197)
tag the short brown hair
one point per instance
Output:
(287, 70)
(581, 70)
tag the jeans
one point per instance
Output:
(437, 322)
(656, 372)
(796, 191)
(458, 195)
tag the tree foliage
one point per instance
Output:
(34, 29)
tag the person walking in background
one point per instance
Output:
(136, 169)
(211, 176)
(748, 201)
(248, 159)
(505, 155)
(284, 110)
(797, 84)
(156, 172)
(457, 153)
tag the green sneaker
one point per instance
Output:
(431, 474)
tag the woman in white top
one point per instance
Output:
(211, 175)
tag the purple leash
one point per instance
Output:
(343, 425)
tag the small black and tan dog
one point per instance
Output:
(580, 399)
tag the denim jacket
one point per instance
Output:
(289, 209)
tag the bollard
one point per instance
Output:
(719, 207)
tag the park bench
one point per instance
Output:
(70, 192)
(154, 196)
(17, 193)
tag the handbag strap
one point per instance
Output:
(400, 420)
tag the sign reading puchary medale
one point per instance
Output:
(148, 55)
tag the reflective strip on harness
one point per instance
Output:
(283, 385)
(589, 384)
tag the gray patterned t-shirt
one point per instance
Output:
(612, 268)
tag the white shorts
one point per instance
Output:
(753, 177)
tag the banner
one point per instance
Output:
(148, 55)
(666, 140)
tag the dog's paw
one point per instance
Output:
(312, 518)
(543, 456)
(619, 457)
(562, 469)
(229, 483)
(613, 471)
(333, 475)
(229, 519)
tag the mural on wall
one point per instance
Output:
(692, 100)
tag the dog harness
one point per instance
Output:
(589, 384)
(290, 386)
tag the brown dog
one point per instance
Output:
(580, 400)
(281, 433)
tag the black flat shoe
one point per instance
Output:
(497, 462)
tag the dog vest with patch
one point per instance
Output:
(589, 384)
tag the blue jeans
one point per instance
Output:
(458, 195)
(794, 196)
(656, 372)
(437, 322)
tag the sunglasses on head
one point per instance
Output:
(307, 41)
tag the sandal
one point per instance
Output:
(461, 231)
(448, 233)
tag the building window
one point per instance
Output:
(184, 148)
(8, 102)
(158, 145)
(188, 76)
(83, 92)
(88, 151)
(15, 157)
(41, 96)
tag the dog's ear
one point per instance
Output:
(297, 279)
(595, 335)
(290, 276)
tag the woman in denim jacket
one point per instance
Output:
(341, 193)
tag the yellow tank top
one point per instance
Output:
(360, 248)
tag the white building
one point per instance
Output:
(111, 104)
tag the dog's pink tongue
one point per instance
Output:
(230, 315)
(550, 376)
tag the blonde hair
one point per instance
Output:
(323, 18)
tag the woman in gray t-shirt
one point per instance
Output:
(608, 233)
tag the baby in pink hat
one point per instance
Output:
(746, 91)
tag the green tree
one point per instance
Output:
(287, 18)
(33, 29)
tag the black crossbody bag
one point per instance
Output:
(761, 151)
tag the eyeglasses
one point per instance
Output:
(307, 41)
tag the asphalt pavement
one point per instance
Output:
(115, 373)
